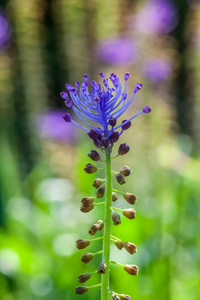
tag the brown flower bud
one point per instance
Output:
(125, 297)
(93, 229)
(119, 245)
(81, 290)
(131, 269)
(83, 278)
(101, 191)
(123, 149)
(86, 209)
(130, 247)
(86, 202)
(101, 224)
(102, 268)
(81, 244)
(115, 297)
(97, 183)
(116, 218)
(114, 196)
(89, 168)
(126, 171)
(129, 213)
(86, 257)
(94, 155)
(130, 198)
(120, 178)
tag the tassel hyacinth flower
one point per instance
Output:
(100, 108)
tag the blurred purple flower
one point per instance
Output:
(50, 125)
(116, 51)
(5, 31)
(157, 16)
(157, 69)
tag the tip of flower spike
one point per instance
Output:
(64, 95)
(147, 109)
(67, 117)
(138, 87)
(85, 76)
(69, 103)
(101, 74)
(126, 76)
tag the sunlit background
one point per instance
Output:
(43, 45)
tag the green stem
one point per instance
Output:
(121, 210)
(107, 230)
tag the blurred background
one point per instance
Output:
(43, 45)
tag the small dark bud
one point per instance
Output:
(89, 168)
(127, 125)
(131, 269)
(93, 229)
(126, 171)
(120, 178)
(115, 297)
(101, 191)
(130, 247)
(81, 290)
(129, 213)
(94, 155)
(86, 209)
(67, 117)
(114, 197)
(116, 218)
(87, 202)
(102, 268)
(119, 245)
(147, 109)
(86, 257)
(81, 244)
(130, 198)
(93, 134)
(97, 183)
(83, 278)
(123, 149)
(114, 137)
(105, 142)
(101, 224)
(112, 122)
(125, 297)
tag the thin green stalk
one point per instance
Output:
(107, 230)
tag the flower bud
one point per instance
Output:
(115, 297)
(114, 196)
(114, 137)
(147, 109)
(119, 245)
(86, 209)
(112, 121)
(130, 247)
(125, 297)
(120, 178)
(83, 278)
(87, 202)
(102, 268)
(129, 213)
(86, 257)
(94, 155)
(116, 218)
(101, 191)
(97, 183)
(81, 244)
(123, 149)
(105, 142)
(130, 198)
(81, 290)
(89, 168)
(93, 229)
(131, 269)
(67, 117)
(126, 171)
(127, 125)
(101, 224)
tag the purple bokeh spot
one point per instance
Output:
(157, 16)
(5, 32)
(157, 70)
(116, 51)
(51, 125)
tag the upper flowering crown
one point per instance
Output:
(103, 105)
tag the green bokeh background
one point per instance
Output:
(42, 179)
